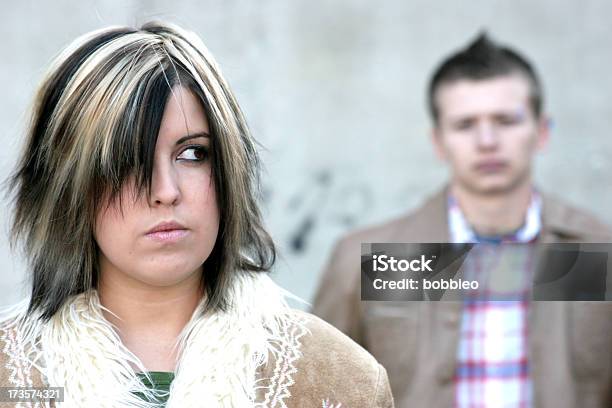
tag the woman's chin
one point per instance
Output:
(167, 277)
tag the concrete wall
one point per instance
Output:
(335, 92)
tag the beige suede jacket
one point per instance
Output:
(320, 368)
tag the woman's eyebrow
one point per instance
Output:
(192, 136)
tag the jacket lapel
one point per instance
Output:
(562, 223)
(429, 223)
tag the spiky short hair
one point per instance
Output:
(484, 59)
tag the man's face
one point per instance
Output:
(488, 133)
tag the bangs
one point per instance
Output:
(102, 130)
(127, 152)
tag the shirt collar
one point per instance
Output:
(461, 232)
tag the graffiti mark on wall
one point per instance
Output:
(325, 199)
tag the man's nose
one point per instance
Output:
(165, 189)
(486, 135)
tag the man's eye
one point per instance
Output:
(194, 153)
(508, 120)
(463, 124)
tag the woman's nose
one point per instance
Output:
(165, 189)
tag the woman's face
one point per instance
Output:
(165, 241)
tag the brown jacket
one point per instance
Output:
(570, 343)
(323, 368)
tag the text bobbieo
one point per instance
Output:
(383, 263)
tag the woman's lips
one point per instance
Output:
(168, 236)
(167, 232)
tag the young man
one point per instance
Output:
(486, 105)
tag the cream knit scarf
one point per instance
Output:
(220, 353)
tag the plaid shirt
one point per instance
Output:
(492, 367)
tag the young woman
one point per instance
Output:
(136, 206)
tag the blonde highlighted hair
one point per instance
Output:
(95, 122)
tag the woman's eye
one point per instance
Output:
(194, 153)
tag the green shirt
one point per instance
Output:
(160, 383)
